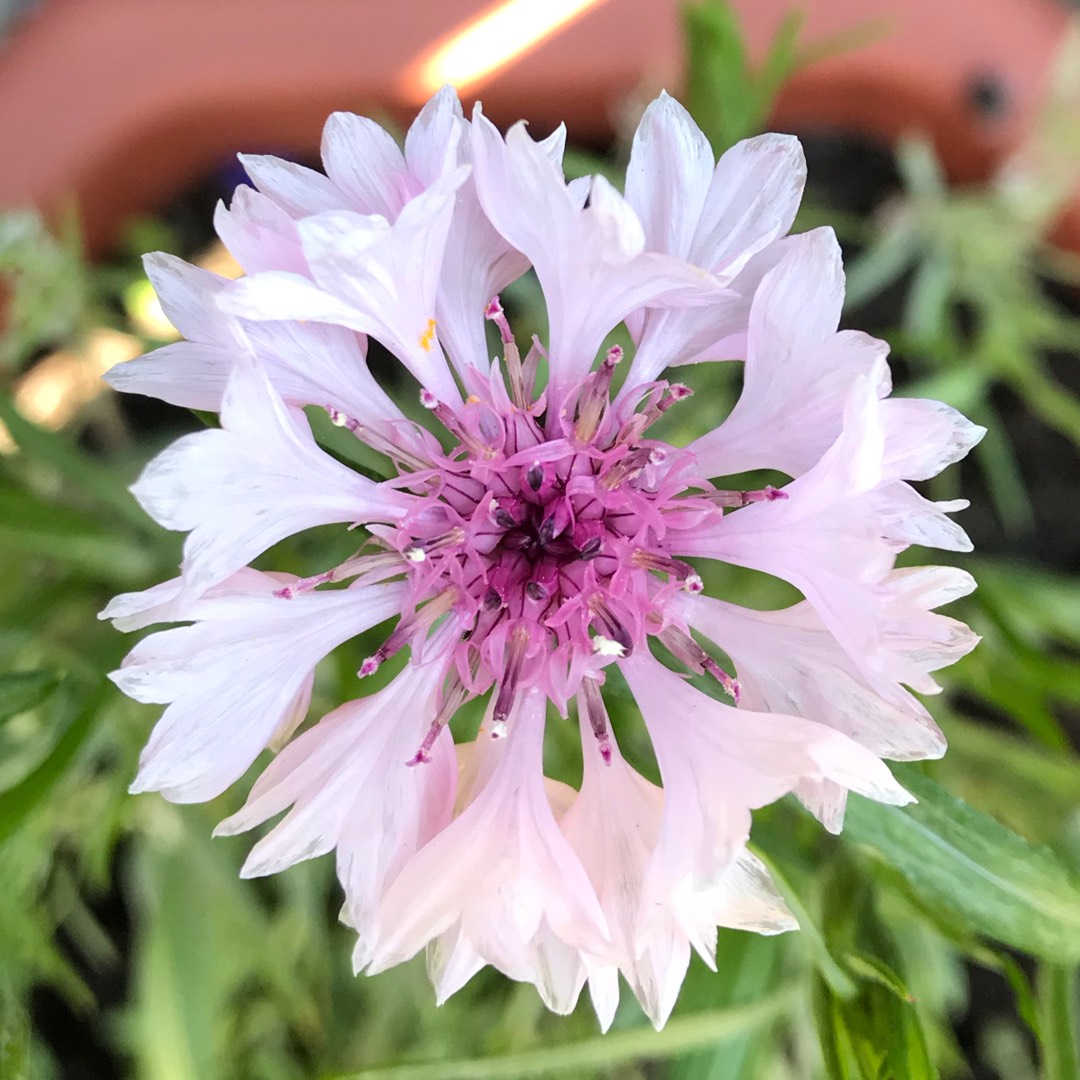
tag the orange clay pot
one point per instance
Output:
(123, 103)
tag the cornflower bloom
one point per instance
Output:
(530, 543)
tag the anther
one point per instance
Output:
(492, 599)
(591, 549)
(745, 498)
(664, 564)
(418, 551)
(689, 652)
(419, 621)
(591, 701)
(453, 699)
(515, 660)
(536, 590)
(535, 477)
(613, 627)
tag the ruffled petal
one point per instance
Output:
(261, 477)
(364, 163)
(349, 787)
(720, 763)
(799, 370)
(591, 263)
(296, 189)
(505, 875)
(229, 681)
(259, 234)
(371, 276)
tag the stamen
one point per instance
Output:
(612, 625)
(590, 699)
(745, 498)
(305, 584)
(420, 621)
(453, 699)
(419, 550)
(515, 660)
(447, 417)
(628, 467)
(594, 398)
(515, 373)
(689, 652)
(676, 392)
(664, 564)
(376, 440)
(494, 313)
(530, 366)
(353, 567)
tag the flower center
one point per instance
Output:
(549, 538)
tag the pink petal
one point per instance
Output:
(258, 479)
(230, 681)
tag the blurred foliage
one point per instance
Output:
(127, 936)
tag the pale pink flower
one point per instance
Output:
(546, 547)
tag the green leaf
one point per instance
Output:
(24, 690)
(840, 982)
(100, 483)
(604, 1052)
(719, 88)
(18, 802)
(14, 1039)
(1059, 1000)
(967, 864)
(877, 1034)
(77, 541)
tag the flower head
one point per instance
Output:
(534, 537)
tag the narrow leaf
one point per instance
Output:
(604, 1052)
(1059, 1002)
(964, 862)
(23, 690)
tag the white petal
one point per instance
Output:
(297, 190)
(668, 177)
(364, 162)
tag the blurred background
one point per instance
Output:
(943, 142)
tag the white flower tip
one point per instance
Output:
(140, 785)
(230, 826)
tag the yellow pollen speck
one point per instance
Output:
(427, 338)
(472, 399)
